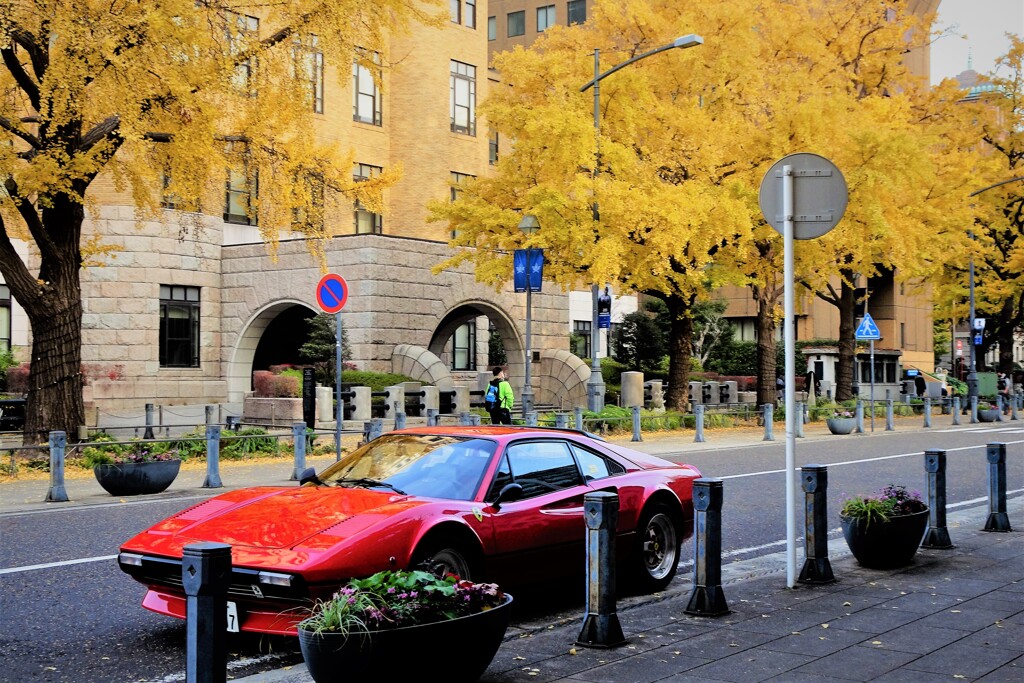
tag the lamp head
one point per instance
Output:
(529, 224)
(689, 40)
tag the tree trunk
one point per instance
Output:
(766, 371)
(847, 343)
(677, 397)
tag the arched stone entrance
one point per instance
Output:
(240, 365)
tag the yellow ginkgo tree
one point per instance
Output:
(160, 97)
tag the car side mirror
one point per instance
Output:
(309, 475)
(509, 493)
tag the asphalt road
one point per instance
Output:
(68, 614)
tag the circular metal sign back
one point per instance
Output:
(819, 195)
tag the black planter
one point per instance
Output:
(135, 478)
(885, 545)
(458, 650)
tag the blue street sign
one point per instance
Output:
(977, 340)
(519, 269)
(604, 321)
(332, 293)
(867, 330)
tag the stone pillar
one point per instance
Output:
(632, 389)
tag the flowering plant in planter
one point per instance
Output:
(841, 412)
(395, 599)
(891, 501)
(106, 451)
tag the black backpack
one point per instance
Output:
(491, 397)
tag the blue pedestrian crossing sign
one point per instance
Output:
(867, 329)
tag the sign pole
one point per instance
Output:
(871, 346)
(338, 412)
(789, 338)
(332, 294)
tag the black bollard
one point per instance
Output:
(212, 480)
(698, 419)
(997, 520)
(205, 576)
(601, 626)
(56, 492)
(299, 441)
(707, 599)
(937, 536)
(817, 569)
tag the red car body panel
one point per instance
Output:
(324, 535)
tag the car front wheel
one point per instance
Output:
(444, 556)
(657, 552)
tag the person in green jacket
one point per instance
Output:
(502, 414)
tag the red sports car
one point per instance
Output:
(490, 503)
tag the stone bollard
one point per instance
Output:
(956, 410)
(212, 480)
(937, 536)
(465, 419)
(299, 445)
(531, 418)
(601, 626)
(698, 418)
(636, 424)
(859, 413)
(148, 433)
(799, 421)
(579, 419)
(562, 420)
(399, 416)
(205, 576)
(997, 520)
(817, 569)
(769, 412)
(707, 599)
(927, 412)
(57, 493)
(432, 417)
(889, 424)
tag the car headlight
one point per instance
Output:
(275, 579)
(130, 559)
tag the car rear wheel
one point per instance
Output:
(445, 556)
(657, 550)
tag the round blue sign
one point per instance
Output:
(332, 293)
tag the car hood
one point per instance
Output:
(275, 517)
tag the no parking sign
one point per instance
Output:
(332, 293)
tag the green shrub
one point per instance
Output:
(377, 381)
(247, 442)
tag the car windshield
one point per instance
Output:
(437, 466)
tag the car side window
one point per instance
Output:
(502, 477)
(595, 466)
(543, 466)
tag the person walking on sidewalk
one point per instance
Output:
(502, 411)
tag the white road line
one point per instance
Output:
(51, 565)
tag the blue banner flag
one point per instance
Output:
(521, 265)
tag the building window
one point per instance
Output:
(545, 17)
(492, 148)
(308, 63)
(464, 347)
(492, 28)
(456, 10)
(179, 326)
(516, 23)
(582, 329)
(470, 13)
(366, 97)
(242, 187)
(456, 180)
(367, 222)
(463, 98)
(575, 12)
(246, 28)
(903, 335)
(5, 319)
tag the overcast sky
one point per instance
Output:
(985, 23)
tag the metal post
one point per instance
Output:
(1013, 407)
(339, 410)
(805, 413)
(527, 397)
(636, 424)
(212, 480)
(465, 419)
(531, 419)
(768, 410)
(937, 536)
(927, 412)
(798, 422)
(997, 520)
(698, 417)
(956, 410)
(562, 420)
(601, 626)
(817, 569)
(859, 412)
(205, 576)
(889, 425)
(148, 433)
(972, 373)
(974, 409)
(57, 493)
(376, 428)
(432, 417)
(579, 418)
(474, 419)
(707, 599)
(210, 417)
(299, 444)
(399, 416)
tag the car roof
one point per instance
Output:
(495, 431)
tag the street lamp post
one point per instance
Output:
(595, 387)
(529, 225)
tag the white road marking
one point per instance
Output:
(51, 565)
